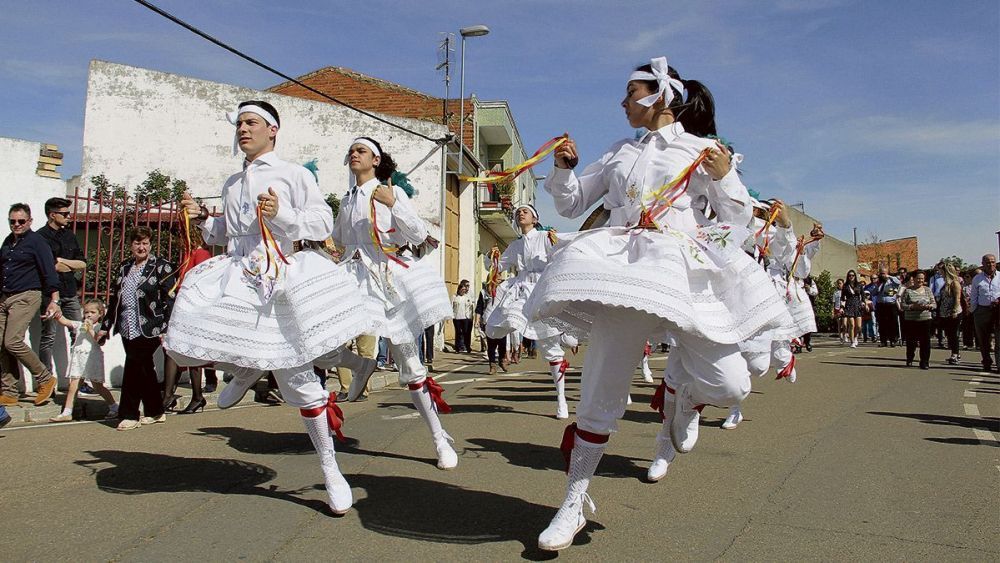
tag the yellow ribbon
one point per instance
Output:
(517, 170)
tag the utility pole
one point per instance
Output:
(444, 51)
(855, 236)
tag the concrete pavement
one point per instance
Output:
(862, 459)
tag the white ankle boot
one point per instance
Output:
(663, 456)
(734, 419)
(647, 374)
(233, 392)
(337, 489)
(558, 371)
(569, 520)
(684, 423)
(447, 458)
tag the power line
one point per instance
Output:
(237, 52)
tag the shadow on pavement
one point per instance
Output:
(259, 442)
(138, 473)
(438, 512)
(550, 458)
(963, 442)
(467, 408)
(963, 421)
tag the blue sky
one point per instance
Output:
(884, 116)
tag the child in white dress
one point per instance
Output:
(86, 360)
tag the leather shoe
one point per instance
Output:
(45, 391)
(6, 401)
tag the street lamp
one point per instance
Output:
(471, 31)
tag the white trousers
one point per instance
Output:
(300, 387)
(617, 339)
(760, 362)
(551, 348)
(715, 374)
(411, 369)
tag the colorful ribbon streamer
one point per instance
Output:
(271, 247)
(493, 278)
(187, 253)
(388, 250)
(496, 177)
(666, 195)
(765, 250)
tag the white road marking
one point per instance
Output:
(402, 416)
(969, 394)
(470, 380)
(971, 410)
(975, 381)
(984, 436)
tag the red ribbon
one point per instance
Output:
(334, 416)
(787, 370)
(436, 392)
(569, 440)
(563, 366)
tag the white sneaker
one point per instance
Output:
(147, 420)
(360, 381)
(447, 458)
(733, 420)
(127, 424)
(337, 489)
(854, 343)
(562, 410)
(566, 524)
(684, 424)
(662, 459)
(235, 390)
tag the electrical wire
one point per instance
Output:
(237, 52)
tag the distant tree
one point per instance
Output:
(157, 189)
(334, 203)
(958, 263)
(823, 304)
(871, 238)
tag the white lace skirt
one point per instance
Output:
(508, 315)
(219, 317)
(701, 284)
(408, 299)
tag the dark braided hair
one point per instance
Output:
(697, 114)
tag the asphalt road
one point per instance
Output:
(862, 459)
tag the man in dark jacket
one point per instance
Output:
(27, 269)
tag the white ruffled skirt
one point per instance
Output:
(508, 315)
(701, 284)
(219, 316)
(406, 299)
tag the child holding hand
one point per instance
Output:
(86, 360)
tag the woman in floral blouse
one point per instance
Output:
(139, 309)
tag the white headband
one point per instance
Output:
(365, 142)
(665, 84)
(234, 116)
(528, 207)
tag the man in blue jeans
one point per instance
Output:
(4, 417)
(69, 260)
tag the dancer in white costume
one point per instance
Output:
(409, 293)
(647, 374)
(788, 262)
(644, 276)
(529, 255)
(261, 307)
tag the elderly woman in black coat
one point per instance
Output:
(139, 309)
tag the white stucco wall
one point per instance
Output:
(138, 120)
(20, 184)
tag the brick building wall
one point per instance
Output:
(891, 253)
(374, 94)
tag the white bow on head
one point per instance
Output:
(665, 83)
